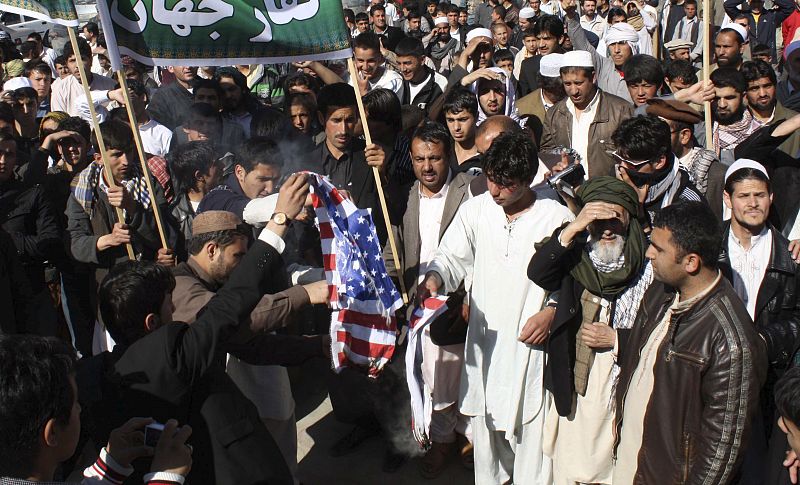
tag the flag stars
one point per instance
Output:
(361, 219)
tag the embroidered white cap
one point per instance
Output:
(440, 20)
(736, 28)
(527, 13)
(745, 163)
(479, 32)
(550, 65)
(577, 59)
(17, 83)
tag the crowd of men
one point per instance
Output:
(622, 288)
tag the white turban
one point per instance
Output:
(622, 32)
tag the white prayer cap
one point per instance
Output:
(440, 20)
(745, 163)
(736, 28)
(550, 65)
(576, 59)
(479, 32)
(621, 32)
(527, 13)
(17, 83)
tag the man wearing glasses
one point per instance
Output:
(645, 161)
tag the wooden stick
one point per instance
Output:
(137, 138)
(707, 70)
(362, 114)
(106, 164)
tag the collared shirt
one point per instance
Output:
(431, 209)
(580, 126)
(596, 25)
(547, 105)
(749, 266)
(65, 92)
(338, 170)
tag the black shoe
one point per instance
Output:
(392, 461)
(351, 441)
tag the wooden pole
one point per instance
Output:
(362, 114)
(707, 70)
(102, 145)
(137, 138)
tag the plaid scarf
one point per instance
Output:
(89, 179)
(729, 136)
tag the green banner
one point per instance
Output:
(223, 32)
(57, 11)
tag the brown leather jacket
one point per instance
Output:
(611, 111)
(707, 379)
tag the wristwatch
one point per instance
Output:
(280, 218)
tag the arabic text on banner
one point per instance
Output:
(224, 32)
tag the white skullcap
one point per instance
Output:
(527, 13)
(745, 163)
(576, 59)
(737, 28)
(621, 32)
(17, 83)
(440, 20)
(479, 32)
(550, 65)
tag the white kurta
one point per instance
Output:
(503, 378)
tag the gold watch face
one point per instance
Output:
(279, 218)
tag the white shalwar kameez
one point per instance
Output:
(502, 387)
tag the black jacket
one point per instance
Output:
(763, 31)
(426, 96)
(391, 37)
(777, 315)
(170, 105)
(174, 372)
(15, 290)
(549, 268)
(26, 215)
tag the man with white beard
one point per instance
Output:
(597, 262)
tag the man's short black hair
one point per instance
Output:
(501, 55)
(271, 123)
(259, 150)
(362, 17)
(683, 69)
(694, 229)
(300, 78)
(92, 28)
(302, 99)
(757, 69)
(409, 46)
(34, 388)
(28, 48)
(130, 291)
(642, 138)
(349, 14)
(512, 157)
(744, 174)
(433, 132)
(500, 10)
(188, 158)
(550, 24)
(760, 50)
(78, 125)
(375, 8)
(116, 135)
(616, 12)
(334, 96)
(222, 239)
(367, 41)
(213, 84)
(203, 110)
(36, 65)
(690, 2)
(729, 77)
(413, 14)
(460, 99)
(83, 48)
(643, 67)
(383, 105)
(787, 395)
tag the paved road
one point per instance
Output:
(318, 429)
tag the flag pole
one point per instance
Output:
(362, 114)
(137, 138)
(707, 70)
(102, 145)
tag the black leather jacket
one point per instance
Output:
(707, 377)
(777, 315)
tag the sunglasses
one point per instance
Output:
(635, 163)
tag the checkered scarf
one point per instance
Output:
(729, 136)
(89, 179)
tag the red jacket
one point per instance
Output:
(788, 27)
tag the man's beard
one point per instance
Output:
(729, 119)
(444, 38)
(607, 252)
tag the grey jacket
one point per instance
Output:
(608, 79)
